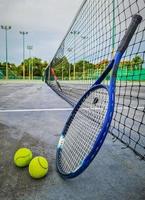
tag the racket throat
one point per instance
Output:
(117, 59)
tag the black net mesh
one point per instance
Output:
(86, 50)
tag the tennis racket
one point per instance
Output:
(88, 124)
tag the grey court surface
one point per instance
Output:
(32, 115)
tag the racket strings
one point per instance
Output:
(83, 130)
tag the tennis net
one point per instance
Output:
(84, 53)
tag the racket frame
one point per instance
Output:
(105, 126)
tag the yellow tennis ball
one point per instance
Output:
(38, 167)
(22, 157)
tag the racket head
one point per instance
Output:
(72, 146)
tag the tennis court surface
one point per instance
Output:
(32, 115)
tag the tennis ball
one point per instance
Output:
(38, 167)
(22, 157)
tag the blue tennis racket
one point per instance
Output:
(89, 122)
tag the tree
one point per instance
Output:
(102, 64)
(17, 71)
(62, 68)
(38, 66)
(137, 62)
(125, 64)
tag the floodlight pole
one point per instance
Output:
(84, 37)
(29, 47)
(62, 72)
(6, 28)
(74, 34)
(32, 67)
(69, 50)
(23, 33)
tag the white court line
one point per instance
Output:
(56, 109)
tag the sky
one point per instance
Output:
(46, 22)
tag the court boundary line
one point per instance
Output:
(49, 109)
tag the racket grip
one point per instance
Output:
(136, 20)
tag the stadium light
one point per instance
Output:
(23, 33)
(6, 28)
(30, 47)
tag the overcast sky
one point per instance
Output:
(46, 21)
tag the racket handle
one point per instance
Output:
(136, 20)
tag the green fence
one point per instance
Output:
(123, 74)
(13, 76)
(131, 75)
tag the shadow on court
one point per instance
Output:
(30, 116)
